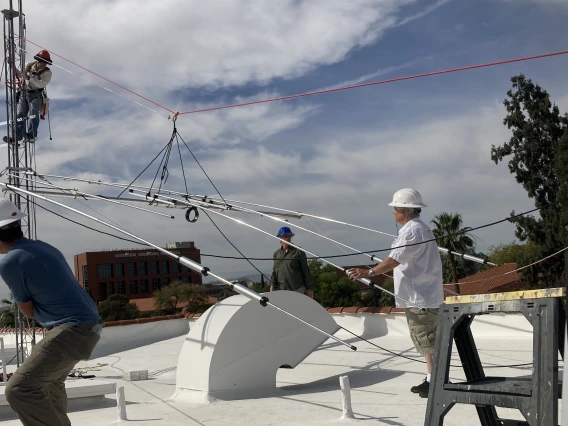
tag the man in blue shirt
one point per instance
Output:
(45, 288)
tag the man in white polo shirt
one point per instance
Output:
(417, 272)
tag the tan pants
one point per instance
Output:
(423, 326)
(36, 391)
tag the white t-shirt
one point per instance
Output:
(418, 278)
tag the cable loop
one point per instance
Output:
(188, 214)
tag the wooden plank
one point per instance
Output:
(513, 295)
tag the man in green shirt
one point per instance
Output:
(290, 270)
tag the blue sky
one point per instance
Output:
(340, 155)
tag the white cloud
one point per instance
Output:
(256, 123)
(258, 167)
(370, 76)
(174, 44)
(424, 12)
(122, 143)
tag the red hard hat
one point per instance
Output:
(43, 56)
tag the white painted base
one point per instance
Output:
(234, 350)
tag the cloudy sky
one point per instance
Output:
(339, 155)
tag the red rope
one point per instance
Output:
(316, 92)
(374, 83)
(100, 76)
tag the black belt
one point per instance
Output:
(34, 91)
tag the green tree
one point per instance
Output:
(168, 298)
(446, 225)
(562, 173)
(194, 295)
(464, 267)
(118, 307)
(315, 266)
(259, 287)
(377, 297)
(223, 296)
(537, 152)
(333, 291)
(512, 252)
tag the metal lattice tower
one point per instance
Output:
(21, 155)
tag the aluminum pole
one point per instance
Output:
(263, 300)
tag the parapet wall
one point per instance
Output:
(119, 336)
(368, 322)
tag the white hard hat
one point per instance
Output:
(407, 197)
(9, 213)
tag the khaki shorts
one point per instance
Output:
(423, 326)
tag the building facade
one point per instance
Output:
(134, 273)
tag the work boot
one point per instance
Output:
(5, 139)
(424, 392)
(29, 137)
(424, 386)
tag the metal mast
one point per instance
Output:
(21, 155)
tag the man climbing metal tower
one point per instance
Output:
(32, 96)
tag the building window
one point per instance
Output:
(142, 268)
(186, 279)
(186, 269)
(85, 278)
(155, 284)
(176, 268)
(143, 286)
(110, 288)
(121, 287)
(165, 267)
(165, 281)
(149, 254)
(154, 268)
(119, 270)
(124, 255)
(132, 269)
(105, 270)
(133, 287)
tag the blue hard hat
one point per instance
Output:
(285, 231)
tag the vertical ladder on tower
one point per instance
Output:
(21, 155)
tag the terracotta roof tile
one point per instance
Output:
(495, 280)
(366, 310)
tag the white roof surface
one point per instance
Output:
(308, 395)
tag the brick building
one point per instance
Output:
(135, 273)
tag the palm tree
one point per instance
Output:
(446, 226)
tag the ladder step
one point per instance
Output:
(518, 388)
(505, 422)
(494, 385)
